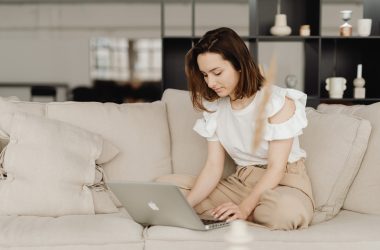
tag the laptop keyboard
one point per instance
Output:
(208, 222)
(212, 224)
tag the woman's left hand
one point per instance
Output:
(229, 211)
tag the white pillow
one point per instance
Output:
(335, 146)
(50, 166)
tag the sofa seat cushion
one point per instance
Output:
(115, 229)
(348, 230)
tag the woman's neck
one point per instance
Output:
(238, 104)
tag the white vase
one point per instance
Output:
(280, 27)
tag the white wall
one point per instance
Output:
(289, 57)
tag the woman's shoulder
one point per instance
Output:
(292, 126)
(278, 97)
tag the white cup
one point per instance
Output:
(336, 86)
(364, 26)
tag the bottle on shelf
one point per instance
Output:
(280, 27)
(359, 82)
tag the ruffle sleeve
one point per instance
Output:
(206, 126)
(294, 125)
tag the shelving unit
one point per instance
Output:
(325, 56)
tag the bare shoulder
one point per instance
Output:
(285, 113)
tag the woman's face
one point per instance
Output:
(219, 74)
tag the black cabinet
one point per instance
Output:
(325, 56)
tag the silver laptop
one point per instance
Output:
(152, 203)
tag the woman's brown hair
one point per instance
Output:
(228, 44)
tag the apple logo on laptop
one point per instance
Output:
(153, 206)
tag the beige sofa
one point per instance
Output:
(157, 138)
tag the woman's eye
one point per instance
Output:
(218, 73)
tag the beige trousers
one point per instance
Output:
(288, 206)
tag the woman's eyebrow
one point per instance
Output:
(211, 69)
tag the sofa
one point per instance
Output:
(155, 139)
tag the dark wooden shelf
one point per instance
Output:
(352, 99)
(324, 56)
(350, 37)
(285, 38)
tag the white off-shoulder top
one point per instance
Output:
(235, 128)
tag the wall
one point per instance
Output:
(50, 43)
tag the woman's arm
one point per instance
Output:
(210, 174)
(278, 154)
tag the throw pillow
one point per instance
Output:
(50, 167)
(363, 195)
(335, 146)
(103, 199)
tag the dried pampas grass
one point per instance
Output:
(259, 123)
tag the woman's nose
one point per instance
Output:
(211, 82)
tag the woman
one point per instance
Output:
(270, 186)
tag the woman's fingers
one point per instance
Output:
(234, 217)
(229, 212)
(226, 210)
(221, 208)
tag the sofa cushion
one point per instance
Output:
(137, 130)
(348, 230)
(50, 166)
(104, 231)
(104, 201)
(140, 131)
(363, 195)
(12, 105)
(189, 150)
(335, 145)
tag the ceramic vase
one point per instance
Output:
(280, 27)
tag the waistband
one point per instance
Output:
(295, 176)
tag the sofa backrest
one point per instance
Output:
(139, 131)
(188, 149)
